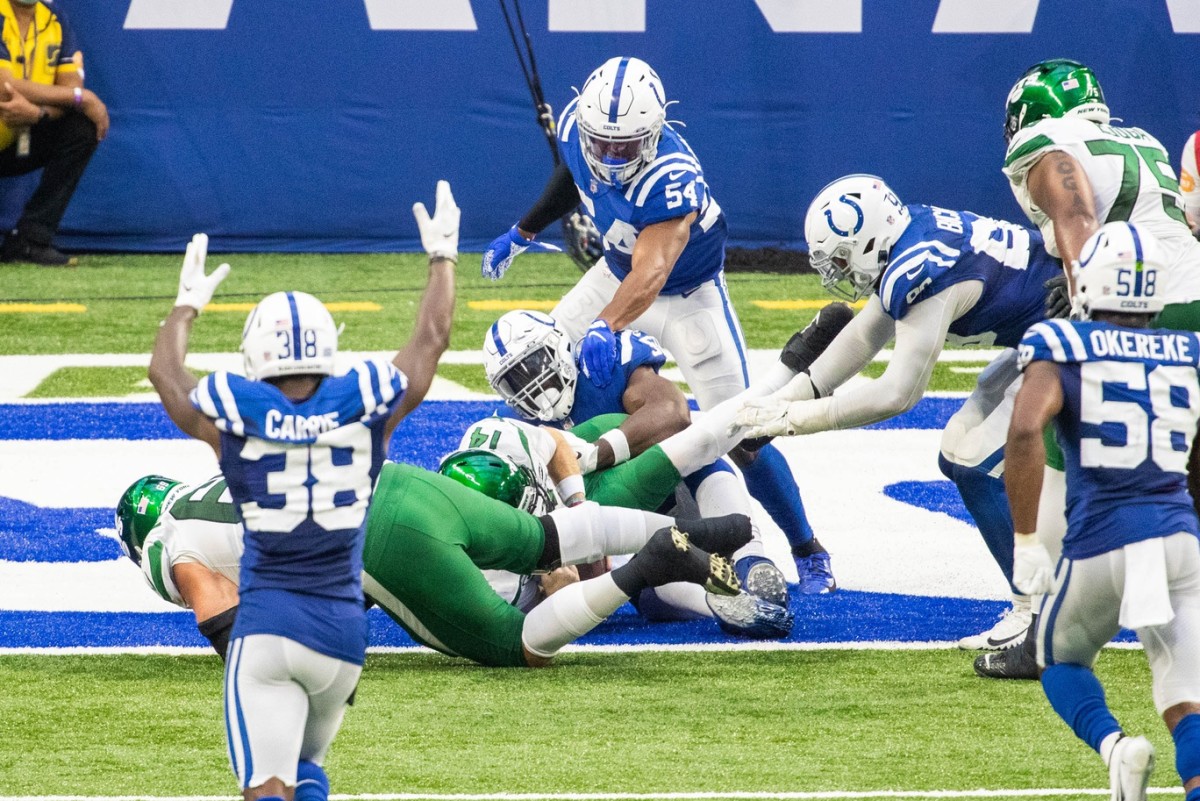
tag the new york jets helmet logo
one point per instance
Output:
(858, 223)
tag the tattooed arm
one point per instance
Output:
(1061, 189)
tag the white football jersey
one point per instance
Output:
(1132, 180)
(197, 528)
(526, 445)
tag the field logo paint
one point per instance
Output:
(629, 16)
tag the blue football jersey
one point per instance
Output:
(1131, 399)
(940, 248)
(669, 187)
(301, 475)
(634, 349)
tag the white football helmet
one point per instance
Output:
(850, 227)
(620, 114)
(528, 359)
(289, 333)
(1121, 269)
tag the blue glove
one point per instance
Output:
(598, 353)
(500, 254)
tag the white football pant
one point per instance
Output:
(700, 330)
(283, 702)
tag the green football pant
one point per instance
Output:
(427, 539)
(644, 482)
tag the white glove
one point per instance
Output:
(1033, 570)
(439, 234)
(587, 455)
(764, 417)
(195, 288)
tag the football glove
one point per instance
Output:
(195, 288)
(500, 254)
(598, 353)
(1058, 298)
(1033, 570)
(439, 234)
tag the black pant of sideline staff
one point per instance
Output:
(63, 147)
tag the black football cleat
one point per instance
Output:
(722, 535)
(671, 556)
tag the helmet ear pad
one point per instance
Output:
(530, 363)
(289, 333)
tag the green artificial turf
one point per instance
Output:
(625, 722)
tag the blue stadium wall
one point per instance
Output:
(313, 125)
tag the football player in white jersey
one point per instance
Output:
(1130, 556)
(646, 482)
(930, 276)
(300, 448)
(1189, 175)
(663, 268)
(1072, 171)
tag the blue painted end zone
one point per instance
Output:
(846, 616)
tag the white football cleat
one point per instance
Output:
(1129, 768)
(1009, 631)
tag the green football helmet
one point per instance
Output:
(496, 477)
(139, 509)
(1055, 88)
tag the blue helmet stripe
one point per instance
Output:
(296, 349)
(616, 96)
(1137, 244)
(503, 351)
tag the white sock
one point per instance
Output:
(706, 439)
(723, 493)
(1108, 744)
(570, 613)
(589, 531)
(684, 595)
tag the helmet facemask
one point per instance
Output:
(529, 363)
(620, 115)
(617, 161)
(838, 275)
(497, 477)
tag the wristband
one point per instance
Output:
(78, 97)
(1026, 540)
(619, 444)
(570, 486)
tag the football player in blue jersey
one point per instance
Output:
(663, 267)
(300, 448)
(530, 363)
(1124, 401)
(930, 276)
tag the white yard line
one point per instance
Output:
(819, 795)
(866, 645)
(20, 375)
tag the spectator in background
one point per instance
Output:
(48, 121)
(1188, 176)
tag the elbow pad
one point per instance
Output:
(217, 629)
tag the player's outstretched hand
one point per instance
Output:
(439, 233)
(506, 247)
(764, 417)
(1033, 570)
(195, 288)
(598, 353)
